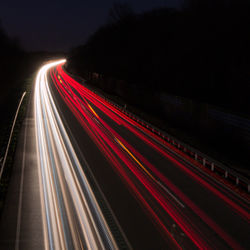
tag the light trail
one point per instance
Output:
(72, 218)
(137, 172)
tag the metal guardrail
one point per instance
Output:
(215, 166)
(10, 137)
(200, 157)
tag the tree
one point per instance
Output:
(119, 12)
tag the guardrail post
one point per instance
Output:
(237, 181)
(212, 166)
(204, 161)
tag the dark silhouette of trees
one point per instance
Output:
(119, 12)
(11, 65)
(201, 51)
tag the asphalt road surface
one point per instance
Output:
(21, 221)
(103, 181)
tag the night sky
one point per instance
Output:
(58, 25)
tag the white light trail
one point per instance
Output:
(71, 215)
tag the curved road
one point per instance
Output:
(106, 182)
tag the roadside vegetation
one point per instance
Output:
(18, 71)
(197, 57)
(12, 65)
(200, 52)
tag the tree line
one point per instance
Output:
(11, 60)
(201, 51)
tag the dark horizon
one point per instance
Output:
(41, 27)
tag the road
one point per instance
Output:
(106, 182)
(20, 223)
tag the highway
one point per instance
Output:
(106, 182)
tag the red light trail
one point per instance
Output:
(144, 179)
